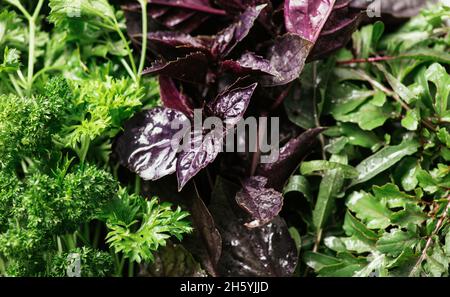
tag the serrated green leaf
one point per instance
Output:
(390, 195)
(369, 209)
(368, 116)
(411, 214)
(395, 241)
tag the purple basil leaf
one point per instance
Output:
(196, 5)
(202, 149)
(191, 68)
(236, 6)
(173, 98)
(287, 56)
(148, 145)
(228, 38)
(263, 204)
(263, 251)
(337, 35)
(250, 63)
(307, 17)
(231, 104)
(169, 43)
(204, 146)
(290, 157)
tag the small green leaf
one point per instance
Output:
(296, 237)
(399, 88)
(437, 74)
(395, 241)
(322, 165)
(298, 183)
(384, 159)
(355, 228)
(359, 137)
(369, 209)
(390, 195)
(406, 172)
(411, 120)
(412, 214)
(330, 186)
(334, 243)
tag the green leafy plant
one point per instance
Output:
(60, 110)
(388, 156)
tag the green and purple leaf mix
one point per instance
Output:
(100, 158)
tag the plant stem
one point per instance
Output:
(144, 37)
(32, 40)
(375, 84)
(130, 54)
(368, 60)
(430, 239)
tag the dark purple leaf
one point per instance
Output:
(172, 44)
(263, 204)
(307, 17)
(173, 98)
(236, 6)
(202, 149)
(205, 242)
(204, 146)
(290, 157)
(149, 144)
(231, 104)
(263, 251)
(336, 34)
(287, 56)
(191, 68)
(196, 5)
(250, 63)
(227, 39)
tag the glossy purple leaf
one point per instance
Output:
(287, 56)
(231, 104)
(173, 98)
(191, 68)
(291, 154)
(236, 6)
(169, 44)
(262, 203)
(227, 39)
(196, 5)
(307, 17)
(148, 145)
(336, 33)
(250, 63)
(263, 251)
(203, 148)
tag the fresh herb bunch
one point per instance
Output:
(386, 156)
(65, 94)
